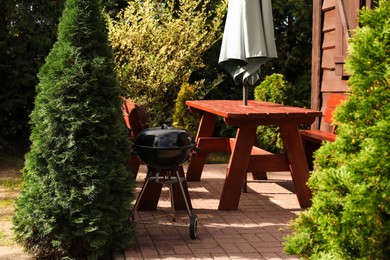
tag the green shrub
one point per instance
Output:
(276, 89)
(77, 190)
(350, 213)
(182, 116)
(158, 45)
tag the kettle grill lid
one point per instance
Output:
(164, 138)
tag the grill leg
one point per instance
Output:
(135, 207)
(169, 172)
(193, 218)
(180, 180)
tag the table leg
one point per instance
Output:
(310, 148)
(298, 164)
(237, 168)
(151, 195)
(206, 129)
(259, 175)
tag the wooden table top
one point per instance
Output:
(254, 110)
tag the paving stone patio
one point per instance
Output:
(255, 231)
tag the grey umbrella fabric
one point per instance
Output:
(248, 41)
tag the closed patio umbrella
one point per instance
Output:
(248, 41)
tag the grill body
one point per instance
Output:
(164, 150)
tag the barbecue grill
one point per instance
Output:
(164, 150)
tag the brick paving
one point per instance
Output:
(255, 231)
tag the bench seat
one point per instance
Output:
(317, 136)
(312, 139)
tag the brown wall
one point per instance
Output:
(333, 23)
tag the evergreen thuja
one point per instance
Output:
(350, 213)
(77, 190)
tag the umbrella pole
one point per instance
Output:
(245, 93)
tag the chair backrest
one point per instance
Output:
(134, 116)
(333, 101)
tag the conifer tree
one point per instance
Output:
(350, 214)
(77, 190)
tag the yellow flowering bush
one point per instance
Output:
(157, 45)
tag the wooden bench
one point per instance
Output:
(312, 139)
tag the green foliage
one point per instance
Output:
(77, 190)
(276, 89)
(293, 34)
(183, 117)
(27, 32)
(350, 214)
(158, 45)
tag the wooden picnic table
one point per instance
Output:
(245, 157)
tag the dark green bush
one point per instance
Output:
(27, 32)
(350, 214)
(77, 190)
(28, 29)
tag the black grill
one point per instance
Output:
(164, 150)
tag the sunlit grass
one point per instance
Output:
(11, 163)
(6, 202)
(2, 236)
(11, 183)
(5, 239)
(7, 206)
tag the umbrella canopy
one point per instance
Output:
(248, 40)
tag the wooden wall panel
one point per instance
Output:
(328, 59)
(327, 4)
(332, 83)
(329, 47)
(329, 40)
(346, 21)
(316, 59)
(352, 11)
(329, 20)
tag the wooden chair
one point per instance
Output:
(135, 119)
(312, 139)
